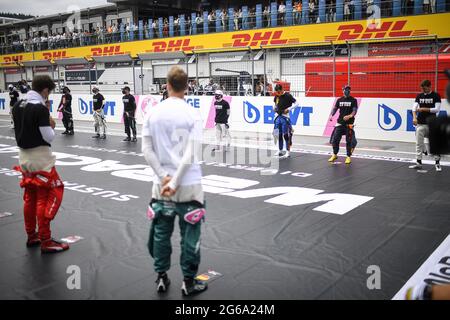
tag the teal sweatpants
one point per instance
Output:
(159, 243)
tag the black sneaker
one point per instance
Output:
(103, 136)
(71, 133)
(162, 283)
(65, 132)
(96, 136)
(134, 139)
(127, 139)
(192, 286)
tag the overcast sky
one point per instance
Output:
(45, 7)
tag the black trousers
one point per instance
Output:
(350, 138)
(67, 121)
(130, 123)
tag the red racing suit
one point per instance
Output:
(42, 198)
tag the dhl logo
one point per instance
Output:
(172, 45)
(106, 51)
(259, 39)
(12, 59)
(55, 55)
(388, 29)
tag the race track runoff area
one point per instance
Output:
(303, 229)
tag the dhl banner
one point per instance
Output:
(338, 32)
(377, 119)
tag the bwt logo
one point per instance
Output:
(391, 120)
(172, 45)
(253, 115)
(87, 108)
(2, 103)
(258, 39)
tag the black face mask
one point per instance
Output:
(124, 92)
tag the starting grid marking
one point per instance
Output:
(252, 144)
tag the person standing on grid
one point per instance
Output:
(99, 116)
(221, 120)
(426, 107)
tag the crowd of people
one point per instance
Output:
(217, 21)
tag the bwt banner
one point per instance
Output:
(377, 119)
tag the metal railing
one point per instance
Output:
(206, 24)
(375, 68)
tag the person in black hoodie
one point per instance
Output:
(129, 110)
(65, 106)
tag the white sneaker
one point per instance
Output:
(416, 166)
(287, 154)
(438, 167)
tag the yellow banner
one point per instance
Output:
(338, 32)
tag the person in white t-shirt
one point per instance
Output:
(171, 139)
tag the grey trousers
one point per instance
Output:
(422, 132)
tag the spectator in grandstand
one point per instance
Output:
(236, 20)
(426, 6)
(166, 28)
(426, 106)
(189, 25)
(129, 111)
(281, 13)
(211, 21)
(409, 7)
(177, 188)
(433, 6)
(224, 18)
(331, 12)
(297, 12)
(199, 23)
(347, 107)
(176, 26)
(240, 14)
(146, 33)
(312, 11)
(266, 15)
(369, 8)
(347, 10)
(155, 27)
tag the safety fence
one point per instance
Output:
(374, 68)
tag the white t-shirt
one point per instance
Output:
(171, 124)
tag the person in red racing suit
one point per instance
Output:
(34, 131)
